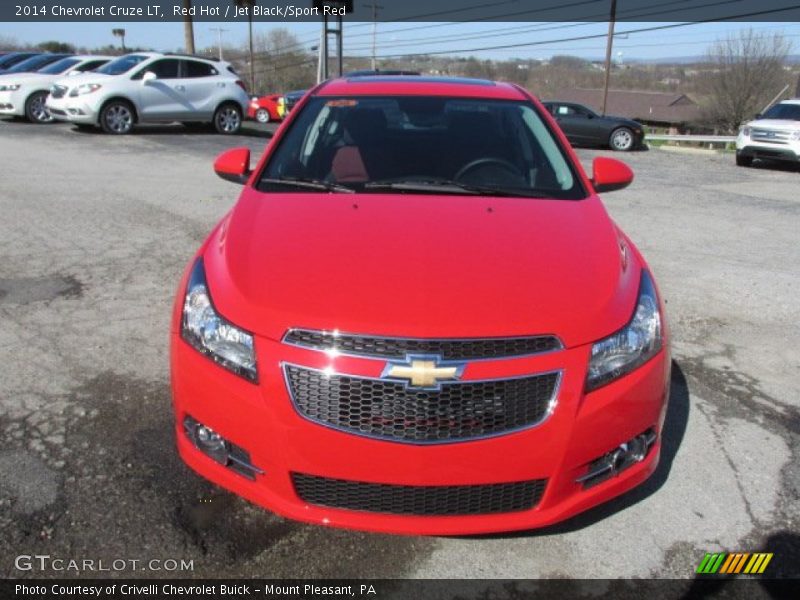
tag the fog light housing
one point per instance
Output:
(208, 441)
(620, 458)
(218, 449)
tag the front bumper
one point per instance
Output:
(12, 103)
(73, 110)
(262, 420)
(783, 151)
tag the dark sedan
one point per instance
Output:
(584, 127)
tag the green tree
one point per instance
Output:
(55, 46)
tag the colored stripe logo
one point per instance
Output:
(734, 563)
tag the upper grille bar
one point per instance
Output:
(372, 346)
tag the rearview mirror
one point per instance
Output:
(234, 165)
(610, 174)
(148, 77)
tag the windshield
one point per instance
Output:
(34, 63)
(122, 64)
(421, 144)
(789, 112)
(59, 66)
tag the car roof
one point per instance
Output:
(420, 85)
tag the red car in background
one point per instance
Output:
(266, 108)
(419, 318)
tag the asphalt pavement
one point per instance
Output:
(94, 233)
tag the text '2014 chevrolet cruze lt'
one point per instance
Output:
(419, 318)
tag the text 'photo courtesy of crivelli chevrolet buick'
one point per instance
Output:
(419, 318)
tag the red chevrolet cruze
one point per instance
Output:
(419, 318)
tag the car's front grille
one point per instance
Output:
(770, 136)
(419, 500)
(399, 347)
(58, 91)
(394, 411)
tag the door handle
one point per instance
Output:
(180, 88)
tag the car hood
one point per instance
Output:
(783, 124)
(421, 266)
(30, 78)
(71, 81)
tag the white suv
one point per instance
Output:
(151, 87)
(24, 94)
(774, 135)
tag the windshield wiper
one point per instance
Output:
(448, 186)
(313, 184)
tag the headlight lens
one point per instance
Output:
(631, 346)
(209, 333)
(86, 88)
(746, 131)
(795, 137)
(9, 87)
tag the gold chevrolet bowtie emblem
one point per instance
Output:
(423, 371)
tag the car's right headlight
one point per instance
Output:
(85, 88)
(631, 346)
(746, 131)
(211, 334)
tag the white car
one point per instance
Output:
(152, 87)
(774, 135)
(24, 94)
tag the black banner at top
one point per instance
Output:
(288, 11)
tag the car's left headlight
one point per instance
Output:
(211, 334)
(631, 346)
(9, 87)
(85, 88)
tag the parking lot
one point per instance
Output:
(94, 233)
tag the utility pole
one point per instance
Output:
(338, 31)
(188, 28)
(609, 46)
(219, 31)
(375, 8)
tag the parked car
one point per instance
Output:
(151, 87)
(774, 135)
(33, 63)
(584, 127)
(290, 99)
(265, 108)
(24, 94)
(12, 58)
(420, 318)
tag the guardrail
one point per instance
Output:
(700, 139)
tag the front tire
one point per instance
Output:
(117, 117)
(262, 115)
(228, 119)
(621, 139)
(35, 110)
(743, 161)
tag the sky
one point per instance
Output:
(399, 38)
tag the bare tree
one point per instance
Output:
(747, 72)
(281, 62)
(188, 28)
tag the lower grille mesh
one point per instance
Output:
(419, 500)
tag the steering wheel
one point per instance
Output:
(482, 162)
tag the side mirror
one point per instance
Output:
(610, 174)
(758, 116)
(148, 77)
(234, 165)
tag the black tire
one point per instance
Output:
(262, 115)
(621, 139)
(117, 117)
(228, 119)
(35, 110)
(743, 161)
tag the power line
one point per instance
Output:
(589, 37)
